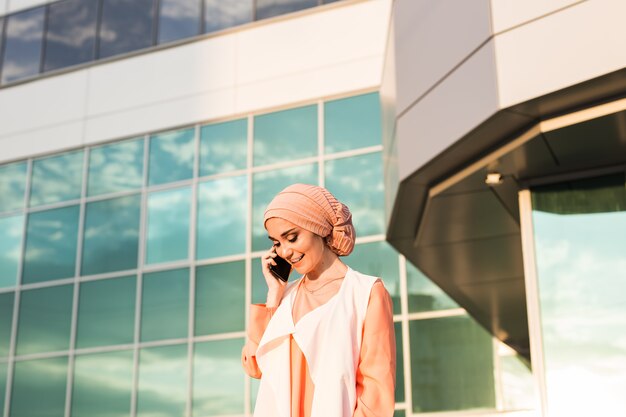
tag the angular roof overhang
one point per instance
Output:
(465, 234)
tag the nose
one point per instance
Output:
(285, 252)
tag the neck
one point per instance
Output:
(328, 268)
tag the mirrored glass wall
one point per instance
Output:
(66, 33)
(126, 269)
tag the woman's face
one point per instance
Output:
(301, 248)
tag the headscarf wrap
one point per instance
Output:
(315, 209)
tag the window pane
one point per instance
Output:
(219, 14)
(270, 8)
(168, 225)
(223, 146)
(116, 167)
(126, 26)
(423, 294)
(165, 305)
(222, 213)
(111, 235)
(380, 260)
(102, 384)
(217, 378)
(178, 19)
(163, 386)
(12, 186)
(399, 363)
(22, 48)
(358, 183)
(57, 178)
(451, 365)
(3, 383)
(11, 231)
(259, 286)
(6, 320)
(171, 157)
(285, 135)
(45, 320)
(518, 385)
(43, 380)
(580, 236)
(265, 186)
(106, 312)
(352, 123)
(220, 304)
(51, 241)
(71, 33)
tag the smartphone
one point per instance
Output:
(281, 270)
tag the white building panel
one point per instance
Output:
(41, 141)
(508, 13)
(461, 102)
(13, 6)
(456, 28)
(46, 102)
(561, 50)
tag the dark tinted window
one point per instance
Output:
(270, 8)
(22, 51)
(126, 26)
(178, 19)
(1, 39)
(71, 33)
(220, 14)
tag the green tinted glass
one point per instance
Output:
(12, 186)
(171, 156)
(380, 260)
(43, 380)
(222, 213)
(3, 382)
(451, 365)
(399, 363)
(399, 413)
(358, 183)
(51, 241)
(45, 319)
(580, 240)
(111, 235)
(168, 225)
(165, 305)
(11, 231)
(102, 384)
(223, 147)
(285, 135)
(518, 388)
(57, 178)
(217, 378)
(162, 389)
(6, 320)
(259, 287)
(116, 167)
(352, 123)
(220, 290)
(265, 186)
(106, 312)
(423, 294)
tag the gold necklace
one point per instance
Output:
(318, 288)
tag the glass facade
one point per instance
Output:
(67, 33)
(580, 236)
(126, 269)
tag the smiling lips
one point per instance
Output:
(296, 260)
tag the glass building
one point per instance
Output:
(140, 142)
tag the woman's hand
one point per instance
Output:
(275, 287)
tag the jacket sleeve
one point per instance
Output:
(376, 372)
(260, 316)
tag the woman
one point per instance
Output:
(322, 345)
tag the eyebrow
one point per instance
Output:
(283, 234)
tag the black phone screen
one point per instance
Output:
(282, 269)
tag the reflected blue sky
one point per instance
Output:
(222, 217)
(12, 186)
(116, 167)
(582, 285)
(171, 156)
(11, 231)
(43, 379)
(168, 225)
(23, 42)
(57, 178)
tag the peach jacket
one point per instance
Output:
(330, 338)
